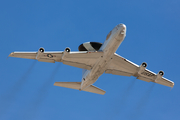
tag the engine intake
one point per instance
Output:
(161, 73)
(144, 64)
(41, 50)
(39, 53)
(142, 67)
(66, 51)
(159, 76)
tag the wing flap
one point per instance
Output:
(77, 85)
(117, 72)
(46, 60)
(81, 59)
(79, 65)
(144, 79)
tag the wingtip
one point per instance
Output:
(55, 84)
(11, 54)
(172, 85)
(103, 93)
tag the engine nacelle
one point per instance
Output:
(39, 53)
(90, 46)
(161, 73)
(159, 76)
(66, 51)
(142, 67)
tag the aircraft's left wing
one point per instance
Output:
(124, 67)
(80, 59)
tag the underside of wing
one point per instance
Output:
(27, 55)
(150, 76)
(43, 57)
(124, 67)
(80, 59)
(121, 66)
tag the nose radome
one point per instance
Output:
(122, 25)
(122, 29)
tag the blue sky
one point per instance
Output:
(26, 86)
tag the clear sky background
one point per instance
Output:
(26, 86)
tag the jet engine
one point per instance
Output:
(161, 73)
(39, 53)
(142, 67)
(159, 76)
(90, 46)
(66, 51)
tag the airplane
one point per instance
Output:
(96, 58)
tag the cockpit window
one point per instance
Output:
(109, 34)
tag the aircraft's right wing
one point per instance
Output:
(124, 67)
(44, 57)
(80, 59)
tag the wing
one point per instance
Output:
(44, 57)
(82, 59)
(124, 67)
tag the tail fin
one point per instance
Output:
(77, 85)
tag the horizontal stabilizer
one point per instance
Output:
(77, 85)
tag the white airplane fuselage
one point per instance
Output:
(109, 47)
(96, 58)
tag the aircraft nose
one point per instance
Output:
(122, 29)
(122, 26)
